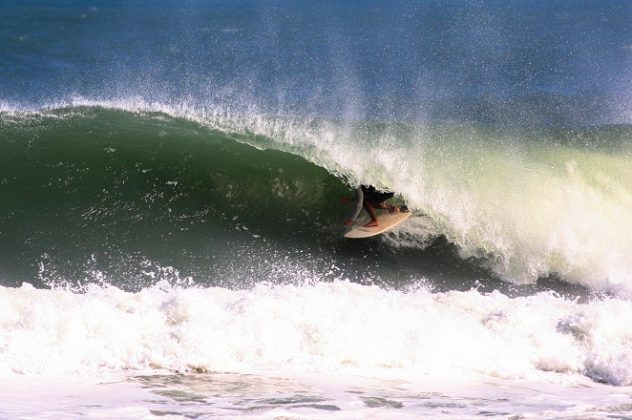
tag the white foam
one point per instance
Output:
(326, 328)
(238, 396)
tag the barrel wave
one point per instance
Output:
(119, 193)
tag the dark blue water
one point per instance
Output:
(483, 60)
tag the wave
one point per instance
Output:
(143, 178)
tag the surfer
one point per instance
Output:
(370, 198)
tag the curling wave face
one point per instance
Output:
(93, 184)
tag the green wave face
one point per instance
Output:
(90, 193)
(133, 197)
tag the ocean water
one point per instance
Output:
(171, 223)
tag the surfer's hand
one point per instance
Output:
(394, 209)
(348, 222)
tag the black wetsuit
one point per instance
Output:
(374, 196)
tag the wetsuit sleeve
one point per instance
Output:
(359, 200)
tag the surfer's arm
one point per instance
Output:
(359, 199)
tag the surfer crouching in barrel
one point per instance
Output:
(370, 198)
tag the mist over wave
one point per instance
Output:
(506, 131)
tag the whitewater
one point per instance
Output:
(171, 228)
(276, 350)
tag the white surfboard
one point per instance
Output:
(387, 222)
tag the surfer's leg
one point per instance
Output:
(369, 208)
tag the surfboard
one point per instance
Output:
(387, 222)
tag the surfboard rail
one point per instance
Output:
(387, 221)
